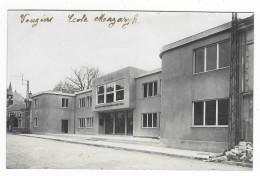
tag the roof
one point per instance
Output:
(83, 91)
(149, 73)
(195, 37)
(16, 107)
(53, 93)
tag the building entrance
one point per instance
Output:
(117, 123)
(64, 126)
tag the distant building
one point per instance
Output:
(185, 103)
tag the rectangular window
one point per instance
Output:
(65, 102)
(35, 103)
(149, 120)
(89, 123)
(35, 122)
(211, 113)
(82, 102)
(81, 122)
(150, 89)
(111, 92)
(89, 101)
(212, 57)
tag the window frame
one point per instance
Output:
(114, 92)
(82, 104)
(205, 57)
(66, 103)
(35, 122)
(147, 89)
(36, 103)
(204, 113)
(147, 126)
(91, 122)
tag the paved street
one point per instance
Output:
(27, 152)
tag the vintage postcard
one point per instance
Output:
(130, 90)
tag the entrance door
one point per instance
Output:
(120, 123)
(108, 123)
(64, 126)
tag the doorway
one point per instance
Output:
(64, 126)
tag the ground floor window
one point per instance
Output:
(81, 122)
(211, 112)
(89, 123)
(149, 120)
(35, 122)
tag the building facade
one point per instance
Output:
(185, 103)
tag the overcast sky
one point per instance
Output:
(46, 53)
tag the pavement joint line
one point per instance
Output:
(118, 148)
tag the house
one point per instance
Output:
(185, 103)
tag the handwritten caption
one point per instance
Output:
(72, 18)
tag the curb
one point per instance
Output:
(120, 148)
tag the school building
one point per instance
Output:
(185, 103)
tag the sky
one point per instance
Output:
(46, 53)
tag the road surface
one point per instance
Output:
(27, 153)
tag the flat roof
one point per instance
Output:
(83, 91)
(148, 73)
(53, 93)
(195, 37)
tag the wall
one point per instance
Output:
(180, 87)
(83, 113)
(50, 113)
(146, 105)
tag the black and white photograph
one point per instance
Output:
(129, 90)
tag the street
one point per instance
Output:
(28, 153)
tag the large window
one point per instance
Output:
(65, 102)
(212, 57)
(81, 122)
(82, 102)
(35, 122)
(150, 89)
(149, 120)
(110, 92)
(210, 113)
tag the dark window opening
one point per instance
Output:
(211, 57)
(211, 112)
(223, 106)
(198, 113)
(199, 61)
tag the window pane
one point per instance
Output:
(199, 60)
(145, 90)
(90, 101)
(120, 85)
(120, 95)
(154, 119)
(110, 87)
(224, 54)
(101, 90)
(155, 88)
(198, 113)
(150, 93)
(63, 102)
(101, 99)
(211, 57)
(110, 98)
(211, 112)
(144, 120)
(150, 118)
(223, 106)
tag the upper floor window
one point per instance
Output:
(110, 92)
(89, 101)
(82, 102)
(212, 57)
(35, 103)
(150, 89)
(65, 102)
(210, 112)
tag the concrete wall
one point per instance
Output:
(50, 113)
(180, 88)
(83, 113)
(146, 105)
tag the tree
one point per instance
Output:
(82, 77)
(64, 85)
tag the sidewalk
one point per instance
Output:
(128, 143)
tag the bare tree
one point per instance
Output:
(82, 77)
(64, 85)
